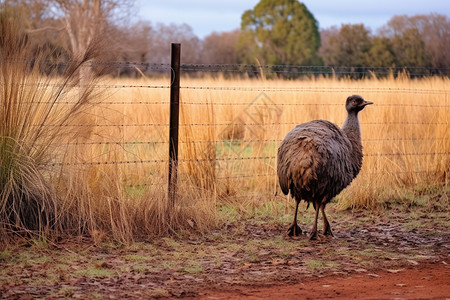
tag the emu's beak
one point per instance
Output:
(366, 103)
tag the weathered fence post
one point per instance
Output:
(174, 120)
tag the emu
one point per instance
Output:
(317, 160)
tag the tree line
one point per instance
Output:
(274, 32)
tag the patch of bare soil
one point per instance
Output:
(424, 282)
(397, 253)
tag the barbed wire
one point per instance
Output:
(118, 64)
(301, 70)
(274, 174)
(255, 66)
(294, 123)
(317, 89)
(408, 154)
(254, 89)
(251, 158)
(256, 104)
(317, 73)
(243, 141)
(95, 86)
(121, 86)
(226, 124)
(97, 163)
(103, 102)
(103, 125)
(307, 104)
(212, 67)
(140, 185)
(252, 69)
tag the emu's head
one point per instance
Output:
(356, 103)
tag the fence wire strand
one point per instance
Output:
(225, 159)
(243, 141)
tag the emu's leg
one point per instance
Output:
(294, 230)
(313, 235)
(326, 224)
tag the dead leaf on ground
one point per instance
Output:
(394, 271)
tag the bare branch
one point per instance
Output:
(31, 31)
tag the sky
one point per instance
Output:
(207, 16)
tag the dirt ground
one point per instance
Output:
(423, 282)
(400, 252)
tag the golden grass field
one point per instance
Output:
(229, 133)
(405, 134)
(108, 165)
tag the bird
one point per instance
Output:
(316, 160)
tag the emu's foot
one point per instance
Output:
(318, 237)
(313, 236)
(327, 232)
(294, 230)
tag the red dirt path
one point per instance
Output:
(425, 282)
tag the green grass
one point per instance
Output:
(141, 268)
(171, 242)
(5, 255)
(228, 212)
(315, 264)
(135, 191)
(96, 272)
(192, 268)
(273, 212)
(138, 258)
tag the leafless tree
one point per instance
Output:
(88, 22)
(220, 48)
(163, 35)
(432, 29)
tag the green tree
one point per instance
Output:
(279, 32)
(420, 40)
(347, 47)
(381, 53)
(410, 50)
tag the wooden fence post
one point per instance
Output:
(174, 121)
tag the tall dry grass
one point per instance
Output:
(33, 121)
(64, 166)
(93, 161)
(405, 134)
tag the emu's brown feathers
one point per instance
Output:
(317, 160)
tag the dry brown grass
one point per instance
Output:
(113, 178)
(36, 112)
(405, 134)
(79, 162)
(65, 168)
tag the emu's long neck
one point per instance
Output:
(351, 127)
(353, 132)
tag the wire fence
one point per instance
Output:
(233, 126)
(248, 70)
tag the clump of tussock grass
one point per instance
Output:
(33, 122)
(52, 184)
